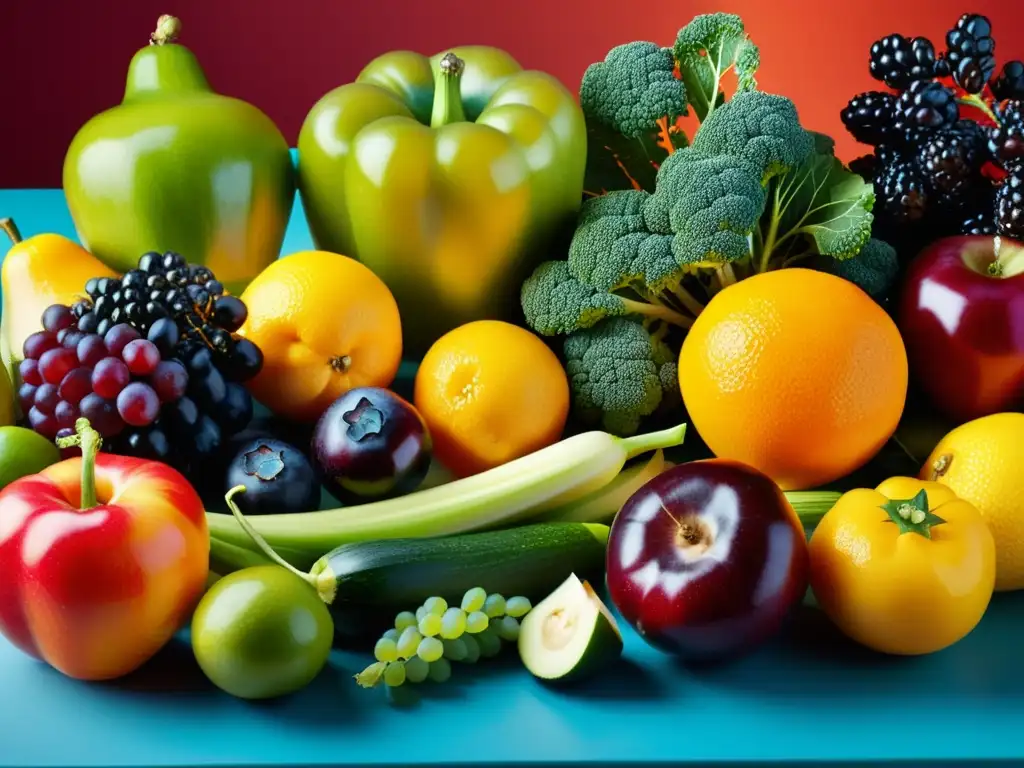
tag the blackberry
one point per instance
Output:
(927, 105)
(970, 52)
(1006, 140)
(948, 161)
(980, 223)
(902, 192)
(1010, 205)
(868, 116)
(1009, 84)
(898, 62)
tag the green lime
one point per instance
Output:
(24, 452)
(261, 632)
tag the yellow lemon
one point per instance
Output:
(981, 461)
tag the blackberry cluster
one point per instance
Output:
(947, 138)
(190, 325)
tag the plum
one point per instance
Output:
(707, 560)
(371, 444)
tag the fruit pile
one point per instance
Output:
(948, 136)
(151, 359)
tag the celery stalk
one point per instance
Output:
(602, 505)
(547, 479)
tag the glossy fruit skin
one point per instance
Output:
(367, 158)
(902, 593)
(38, 272)
(796, 372)
(964, 330)
(100, 590)
(288, 484)
(129, 191)
(261, 632)
(326, 324)
(371, 444)
(980, 462)
(490, 392)
(720, 611)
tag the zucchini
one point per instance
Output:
(366, 584)
(543, 480)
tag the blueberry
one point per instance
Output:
(277, 477)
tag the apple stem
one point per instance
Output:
(168, 28)
(913, 515)
(89, 440)
(11, 229)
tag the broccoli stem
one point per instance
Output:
(658, 311)
(773, 232)
(685, 299)
(447, 92)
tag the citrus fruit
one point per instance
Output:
(24, 452)
(490, 392)
(325, 324)
(795, 372)
(981, 461)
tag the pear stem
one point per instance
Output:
(11, 229)
(168, 28)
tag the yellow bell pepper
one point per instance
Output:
(907, 568)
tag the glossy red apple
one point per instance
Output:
(707, 559)
(962, 320)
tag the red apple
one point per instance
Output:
(962, 320)
(707, 559)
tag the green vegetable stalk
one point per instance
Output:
(672, 221)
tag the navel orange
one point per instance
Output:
(325, 324)
(490, 392)
(796, 372)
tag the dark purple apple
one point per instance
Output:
(707, 559)
(371, 444)
(962, 319)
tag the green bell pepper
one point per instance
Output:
(178, 167)
(451, 177)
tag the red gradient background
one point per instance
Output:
(61, 61)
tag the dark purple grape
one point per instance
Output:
(89, 322)
(102, 415)
(208, 389)
(164, 333)
(236, 409)
(230, 313)
(206, 438)
(57, 317)
(245, 362)
(170, 380)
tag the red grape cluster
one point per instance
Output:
(134, 392)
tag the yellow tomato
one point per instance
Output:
(907, 568)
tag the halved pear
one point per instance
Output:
(569, 634)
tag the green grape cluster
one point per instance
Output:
(422, 644)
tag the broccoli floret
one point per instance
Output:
(711, 204)
(615, 370)
(612, 248)
(633, 88)
(761, 128)
(555, 303)
(631, 101)
(874, 269)
(707, 48)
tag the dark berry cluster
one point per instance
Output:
(152, 359)
(948, 137)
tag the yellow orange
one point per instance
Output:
(490, 392)
(796, 372)
(325, 324)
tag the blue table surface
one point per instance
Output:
(808, 696)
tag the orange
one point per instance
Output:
(325, 324)
(490, 392)
(795, 372)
